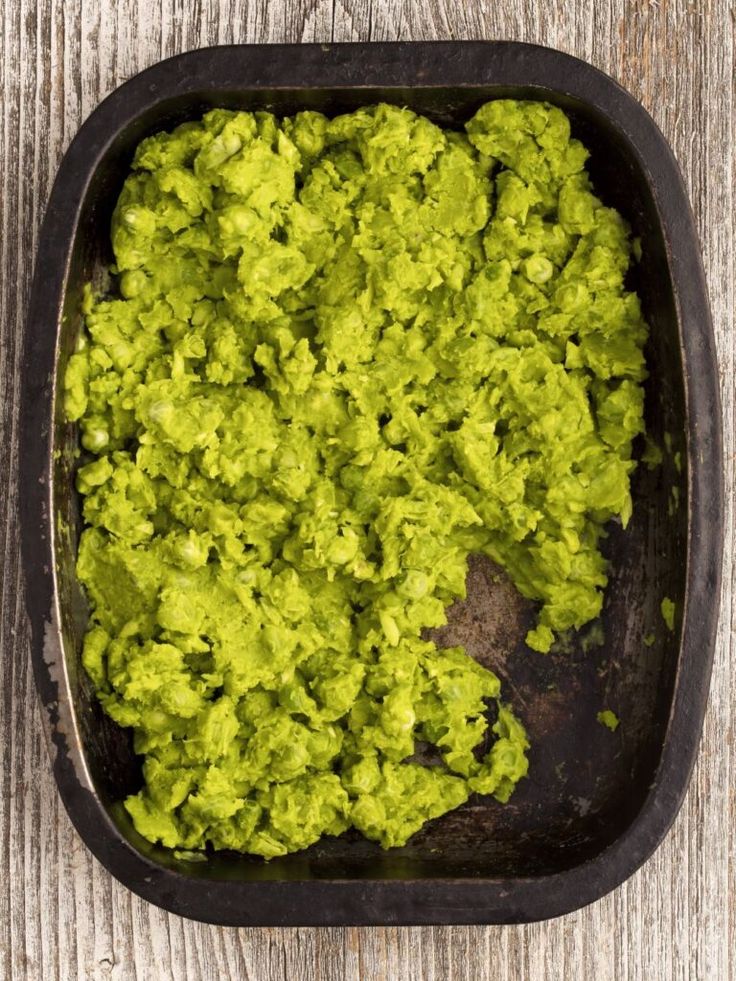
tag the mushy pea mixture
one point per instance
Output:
(344, 355)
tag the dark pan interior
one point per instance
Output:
(586, 784)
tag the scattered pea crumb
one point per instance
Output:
(652, 455)
(674, 501)
(608, 719)
(565, 642)
(594, 638)
(668, 612)
(649, 640)
(189, 856)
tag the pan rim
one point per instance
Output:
(374, 901)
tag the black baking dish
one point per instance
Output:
(596, 804)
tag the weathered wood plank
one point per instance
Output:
(61, 915)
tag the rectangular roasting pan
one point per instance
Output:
(595, 804)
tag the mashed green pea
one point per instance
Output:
(608, 719)
(344, 355)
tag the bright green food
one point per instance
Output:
(345, 354)
(609, 719)
(667, 608)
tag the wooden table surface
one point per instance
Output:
(61, 914)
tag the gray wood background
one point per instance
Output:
(61, 914)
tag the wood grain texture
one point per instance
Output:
(61, 914)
